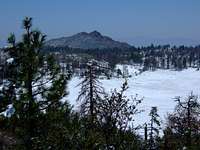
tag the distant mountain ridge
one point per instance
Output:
(84, 40)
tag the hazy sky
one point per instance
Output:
(134, 21)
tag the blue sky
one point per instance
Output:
(138, 22)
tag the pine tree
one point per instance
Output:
(154, 126)
(33, 77)
(90, 97)
(90, 94)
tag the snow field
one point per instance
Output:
(158, 88)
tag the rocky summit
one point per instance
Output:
(84, 40)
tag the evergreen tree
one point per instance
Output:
(183, 124)
(90, 94)
(154, 127)
(91, 98)
(33, 77)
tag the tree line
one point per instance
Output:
(151, 57)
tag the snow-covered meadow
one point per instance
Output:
(159, 88)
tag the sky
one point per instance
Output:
(138, 22)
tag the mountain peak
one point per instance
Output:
(84, 40)
(95, 33)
